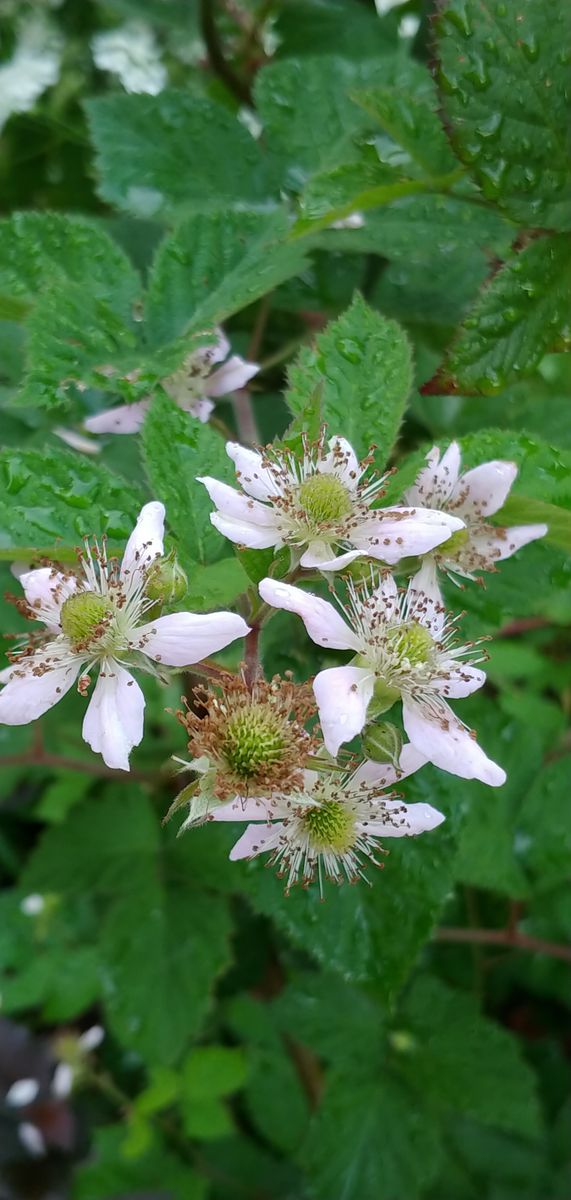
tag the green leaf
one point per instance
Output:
(503, 76)
(213, 1071)
(166, 155)
(216, 585)
(170, 943)
(214, 264)
(521, 314)
(460, 1060)
(208, 1120)
(412, 123)
(40, 250)
(388, 1149)
(177, 448)
(108, 1173)
(306, 109)
(544, 836)
(521, 510)
(394, 917)
(361, 369)
(336, 1020)
(49, 500)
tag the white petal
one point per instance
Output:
(145, 543)
(214, 353)
(436, 481)
(27, 696)
(492, 544)
(424, 598)
(384, 774)
(255, 808)
(343, 695)
(113, 723)
(45, 590)
(128, 418)
(324, 624)
(32, 1139)
(438, 733)
(482, 491)
(22, 1093)
(256, 839)
(321, 555)
(231, 503)
(461, 680)
(255, 537)
(253, 477)
(394, 533)
(342, 462)
(233, 375)
(200, 408)
(407, 820)
(184, 638)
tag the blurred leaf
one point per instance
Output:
(161, 156)
(108, 1173)
(213, 1071)
(462, 1061)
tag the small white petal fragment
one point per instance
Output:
(22, 1093)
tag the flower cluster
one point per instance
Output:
(279, 754)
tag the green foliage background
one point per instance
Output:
(370, 1047)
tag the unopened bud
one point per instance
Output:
(382, 742)
(166, 580)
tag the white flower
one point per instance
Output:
(132, 54)
(403, 647)
(320, 504)
(95, 619)
(194, 388)
(328, 827)
(474, 497)
(34, 66)
(355, 220)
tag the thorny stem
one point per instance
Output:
(511, 938)
(219, 65)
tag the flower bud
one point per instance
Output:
(382, 742)
(166, 580)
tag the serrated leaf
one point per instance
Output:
(361, 369)
(214, 264)
(38, 250)
(521, 314)
(49, 500)
(464, 1062)
(177, 448)
(503, 75)
(166, 155)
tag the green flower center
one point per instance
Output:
(84, 617)
(324, 499)
(411, 642)
(330, 827)
(455, 543)
(253, 739)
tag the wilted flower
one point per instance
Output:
(404, 649)
(329, 826)
(95, 619)
(246, 740)
(319, 504)
(474, 497)
(194, 388)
